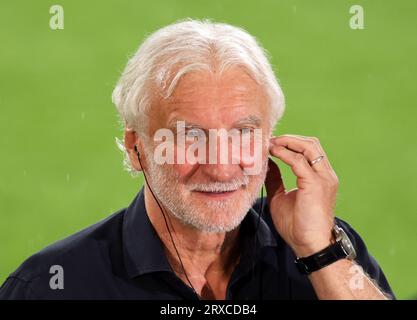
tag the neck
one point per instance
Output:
(204, 255)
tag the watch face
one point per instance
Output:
(345, 242)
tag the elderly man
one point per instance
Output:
(196, 230)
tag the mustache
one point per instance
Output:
(217, 186)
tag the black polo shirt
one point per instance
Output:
(122, 257)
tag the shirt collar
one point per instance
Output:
(143, 249)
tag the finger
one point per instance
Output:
(309, 147)
(296, 161)
(273, 182)
(325, 169)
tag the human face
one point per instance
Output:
(210, 197)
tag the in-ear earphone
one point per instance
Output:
(137, 152)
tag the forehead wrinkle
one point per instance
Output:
(229, 98)
(200, 104)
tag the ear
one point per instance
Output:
(131, 139)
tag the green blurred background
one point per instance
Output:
(60, 170)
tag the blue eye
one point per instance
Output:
(195, 133)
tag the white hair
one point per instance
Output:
(180, 48)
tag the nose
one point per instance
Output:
(223, 161)
(221, 172)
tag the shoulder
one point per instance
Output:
(79, 252)
(363, 256)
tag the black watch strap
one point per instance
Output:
(321, 259)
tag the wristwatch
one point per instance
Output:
(341, 249)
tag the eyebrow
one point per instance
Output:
(172, 124)
(249, 120)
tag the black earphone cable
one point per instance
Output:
(166, 224)
(172, 239)
(258, 240)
